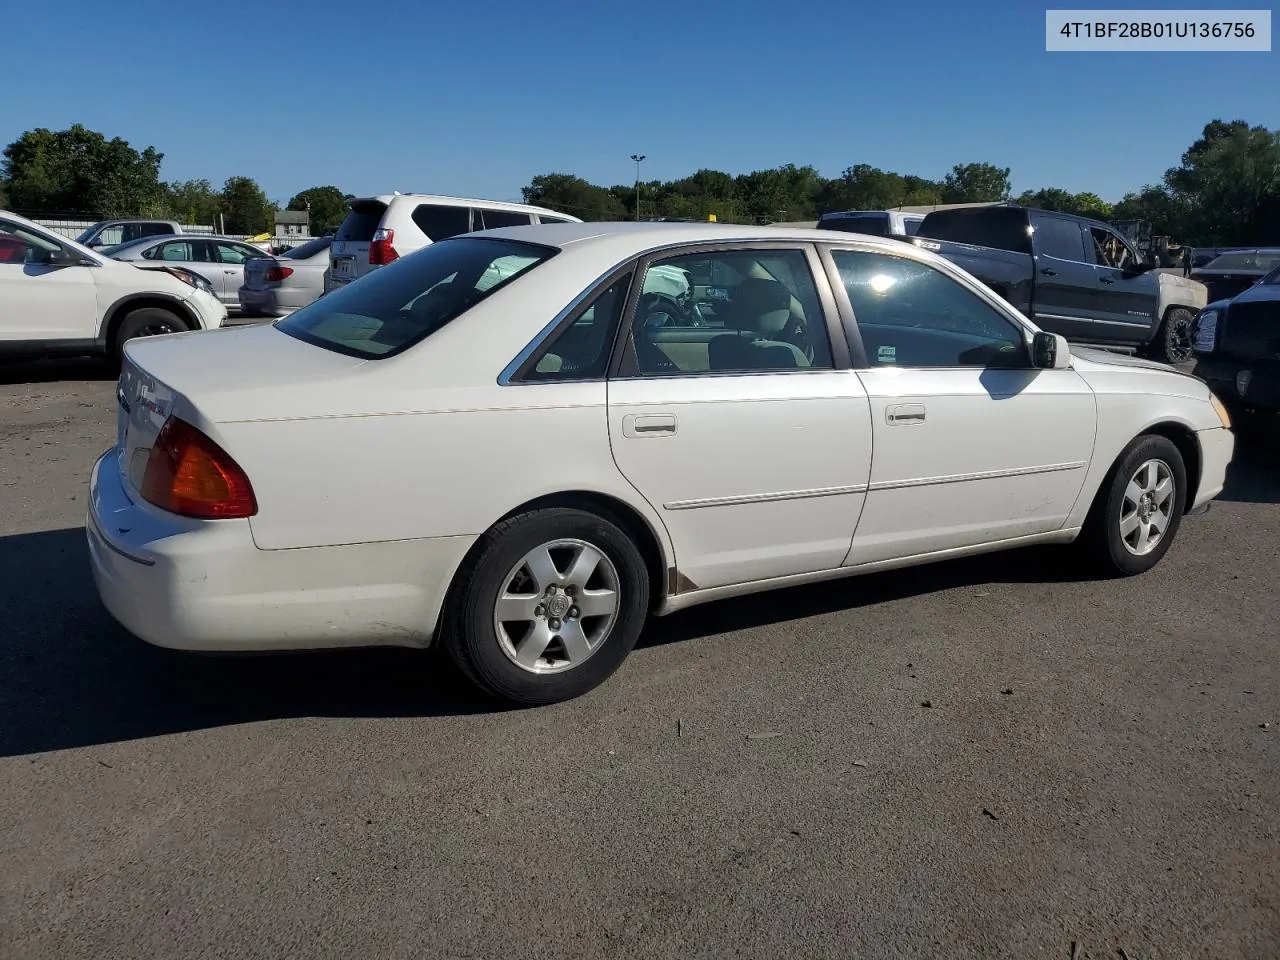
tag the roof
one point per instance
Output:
(460, 202)
(618, 240)
(292, 216)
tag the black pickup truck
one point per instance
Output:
(1070, 275)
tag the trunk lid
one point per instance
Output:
(255, 272)
(349, 252)
(218, 376)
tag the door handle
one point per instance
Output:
(1107, 279)
(902, 414)
(1049, 273)
(652, 425)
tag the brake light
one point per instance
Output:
(189, 474)
(381, 250)
(276, 274)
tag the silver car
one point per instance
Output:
(276, 286)
(220, 260)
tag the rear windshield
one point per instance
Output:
(362, 221)
(406, 301)
(1003, 228)
(875, 224)
(307, 250)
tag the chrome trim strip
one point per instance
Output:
(765, 497)
(1117, 323)
(982, 475)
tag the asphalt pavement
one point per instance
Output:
(986, 758)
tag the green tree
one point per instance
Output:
(80, 171)
(1229, 184)
(573, 195)
(1055, 198)
(245, 207)
(193, 202)
(328, 207)
(975, 183)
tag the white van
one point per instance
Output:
(381, 229)
(878, 223)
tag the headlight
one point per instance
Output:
(192, 278)
(1205, 331)
(1220, 410)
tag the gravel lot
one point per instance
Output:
(760, 780)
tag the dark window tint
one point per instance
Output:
(581, 351)
(875, 224)
(441, 222)
(505, 218)
(1004, 228)
(543, 218)
(761, 315)
(913, 315)
(406, 301)
(308, 250)
(136, 231)
(911, 226)
(1060, 238)
(361, 222)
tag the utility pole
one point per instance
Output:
(637, 157)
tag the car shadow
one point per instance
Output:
(52, 371)
(71, 677)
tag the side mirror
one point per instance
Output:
(59, 257)
(1050, 351)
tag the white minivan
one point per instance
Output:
(381, 229)
(877, 223)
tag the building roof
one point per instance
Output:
(293, 216)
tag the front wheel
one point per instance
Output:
(548, 607)
(1138, 510)
(145, 322)
(1173, 340)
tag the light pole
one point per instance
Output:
(637, 157)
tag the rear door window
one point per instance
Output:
(504, 218)
(361, 223)
(440, 222)
(1060, 238)
(875, 224)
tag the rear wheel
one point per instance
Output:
(145, 322)
(1138, 510)
(548, 607)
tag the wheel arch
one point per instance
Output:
(663, 578)
(1184, 438)
(126, 305)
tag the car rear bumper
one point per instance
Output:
(204, 585)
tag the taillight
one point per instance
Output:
(189, 474)
(380, 248)
(276, 274)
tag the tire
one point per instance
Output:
(1113, 539)
(145, 322)
(1173, 340)
(488, 651)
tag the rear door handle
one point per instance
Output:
(1049, 273)
(650, 425)
(1107, 279)
(902, 414)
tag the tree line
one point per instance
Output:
(79, 173)
(1224, 190)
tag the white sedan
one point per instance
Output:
(489, 445)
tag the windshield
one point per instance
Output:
(1259, 260)
(405, 302)
(308, 249)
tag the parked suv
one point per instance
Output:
(381, 229)
(110, 233)
(60, 298)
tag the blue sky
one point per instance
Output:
(475, 100)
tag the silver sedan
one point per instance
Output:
(277, 286)
(220, 260)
